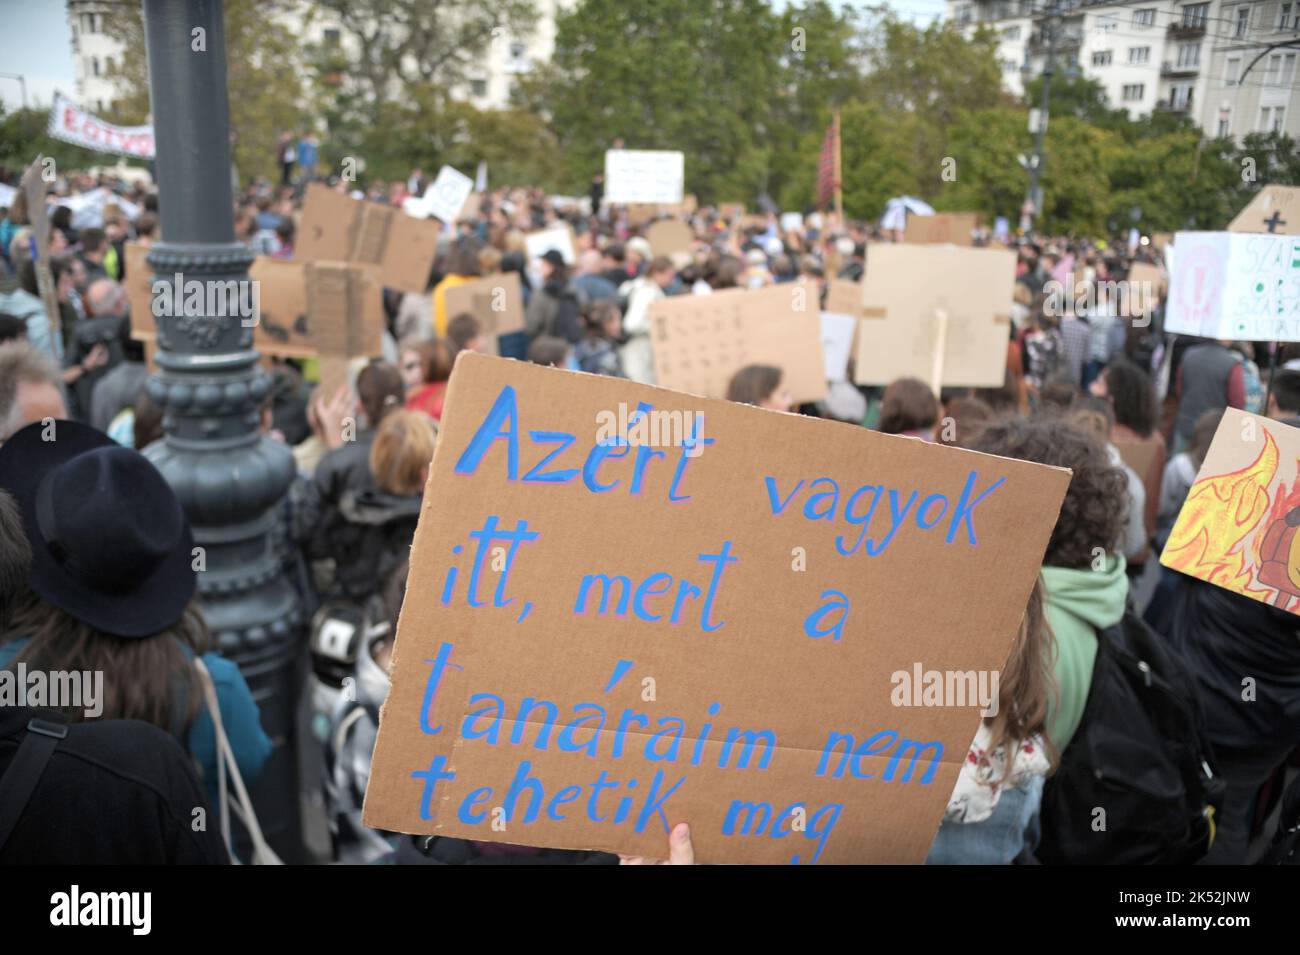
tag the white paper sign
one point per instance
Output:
(1235, 286)
(792, 222)
(837, 343)
(643, 176)
(446, 197)
(88, 207)
(558, 237)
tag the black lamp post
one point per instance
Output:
(229, 477)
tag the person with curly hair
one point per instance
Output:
(1084, 580)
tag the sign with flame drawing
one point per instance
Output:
(1240, 526)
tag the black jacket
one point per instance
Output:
(117, 792)
(1225, 638)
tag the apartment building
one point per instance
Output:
(1189, 58)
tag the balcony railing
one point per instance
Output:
(1173, 69)
(1185, 31)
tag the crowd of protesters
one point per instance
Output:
(104, 582)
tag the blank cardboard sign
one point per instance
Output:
(497, 301)
(1239, 528)
(954, 227)
(336, 227)
(903, 287)
(615, 623)
(700, 341)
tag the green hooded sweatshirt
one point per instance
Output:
(1078, 604)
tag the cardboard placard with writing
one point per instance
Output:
(336, 227)
(643, 654)
(1275, 209)
(282, 328)
(953, 227)
(1235, 286)
(903, 288)
(700, 341)
(345, 316)
(1240, 526)
(497, 301)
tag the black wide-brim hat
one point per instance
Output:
(111, 546)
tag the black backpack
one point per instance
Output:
(1141, 755)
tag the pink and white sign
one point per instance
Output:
(1236, 286)
(72, 124)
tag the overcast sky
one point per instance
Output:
(36, 42)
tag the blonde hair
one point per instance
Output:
(402, 450)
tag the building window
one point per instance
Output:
(1139, 54)
(1288, 69)
(1271, 118)
(963, 15)
(1132, 92)
(1231, 70)
(1144, 18)
(1274, 72)
(478, 87)
(1189, 54)
(1011, 33)
(1243, 21)
(1194, 15)
(1284, 16)
(1102, 57)
(94, 66)
(1225, 124)
(1181, 96)
(1009, 66)
(331, 38)
(1106, 25)
(1279, 113)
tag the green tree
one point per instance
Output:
(262, 77)
(23, 136)
(676, 74)
(987, 146)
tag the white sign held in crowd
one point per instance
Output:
(1235, 286)
(72, 124)
(557, 237)
(88, 207)
(446, 197)
(643, 175)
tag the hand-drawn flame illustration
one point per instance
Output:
(1277, 545)
(1220, 513)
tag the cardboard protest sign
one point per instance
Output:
(644, 175)
(345, 316)
(903, 290)
(840, 317)
(445, 198)
(700, 341)
(668, 236)
(1161, 239)
(1142, 290)
(1236, 286)
(559, 237)
(596, 645)
(336, 227)
(497, 301)
(1275, 209)
(1238, 527)
(954, 227)
(282, 328)
(33, 186)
